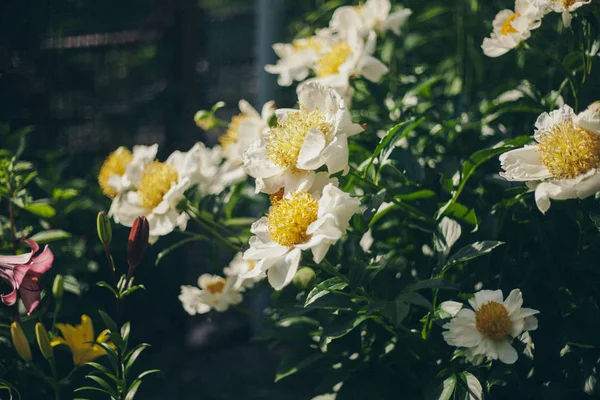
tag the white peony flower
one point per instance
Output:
(244, 128)
(238, 266)
(303, 141)
(215, 292)
(345, 58)
(160, 187)
(298, 221)
(488, 331)
(511, 28)
(565, 161)
(296, 59)
(121, 171)
(372, 15)
(565, 7)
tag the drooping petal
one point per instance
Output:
(282, 273)
(506, 353)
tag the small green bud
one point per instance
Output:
(58, 287)
(104, 228)
(205, 120)
(20, 341)
(305, 278)
(43, 340)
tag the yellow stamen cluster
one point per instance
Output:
(216, 286)
(492, 320)
(289, 218)
(566, 3)
(231, 136)
(115, 164)
(330, 62)
(251, 265)
(307, 44)
(507, 27)
(569, 150)
(285, 141)
(155, 182)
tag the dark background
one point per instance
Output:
(90, 76)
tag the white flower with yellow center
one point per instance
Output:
(372, 15)
(297, 58)
(565, 7)
(303, 141)
(244, 129)
(238, 266)
(511, 28)
(214, 292)
(348, 57)
(298, 221)
(488, 330)
(564, 163)
(160, 187)
(122, 170)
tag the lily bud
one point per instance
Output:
(43, 340)
(305, 278)
(138, 241)
(20, 341)
(58, 287)
(104, 228)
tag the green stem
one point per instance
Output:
(216, 234)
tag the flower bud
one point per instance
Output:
(138, 241)
(104, 228)
(305, 278)
(205, 120)
(20, 341)
(43, 341)
(58, 287)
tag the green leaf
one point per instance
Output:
(415, 298)
(292, 365)
(595, 219)
(133, 390)
(125, 329)
(392, 136)
(39, 207)
(324, 288)
(108, 322)
(447, 233)
(396, 311)
(5, 385)
(474, 389)
(104, 370)
(95, 389)
(445, 390)
(51, 235)
(478, 158)
(418, 195)
(118, 341)
(135, 353)
(474, 250)
(104, 384)
(146, 373)
(342, 327)
(462, 213)
(108, 286)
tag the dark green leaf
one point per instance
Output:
(474, 250)
(324, 288)
(291, 366)
(51, 235)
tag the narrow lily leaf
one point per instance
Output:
(474, 250)
(108, 321)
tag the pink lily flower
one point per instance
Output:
(23, 272)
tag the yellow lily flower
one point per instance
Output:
(80, 339)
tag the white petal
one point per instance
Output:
(310, 153)
(396, 20)
(513, 302)
(451, 307)
(524, 164)
(372, 69)
(282, 273)
(531, 324)
(336, 155)
(485, 296)
(506, 353)
(259, 250)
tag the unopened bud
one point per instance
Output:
(43, 341)
(104, 228)
(58, 287)
(305, 278)
(205, 120)
(20, 341)
(138, 241)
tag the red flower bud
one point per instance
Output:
(137, 242)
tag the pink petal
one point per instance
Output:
(11, 298)
(42, 262)
(30, 293)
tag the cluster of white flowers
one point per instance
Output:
(342, 51)
(511, 27)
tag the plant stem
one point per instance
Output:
(216, 234)
(11, 217)
(111, 266)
